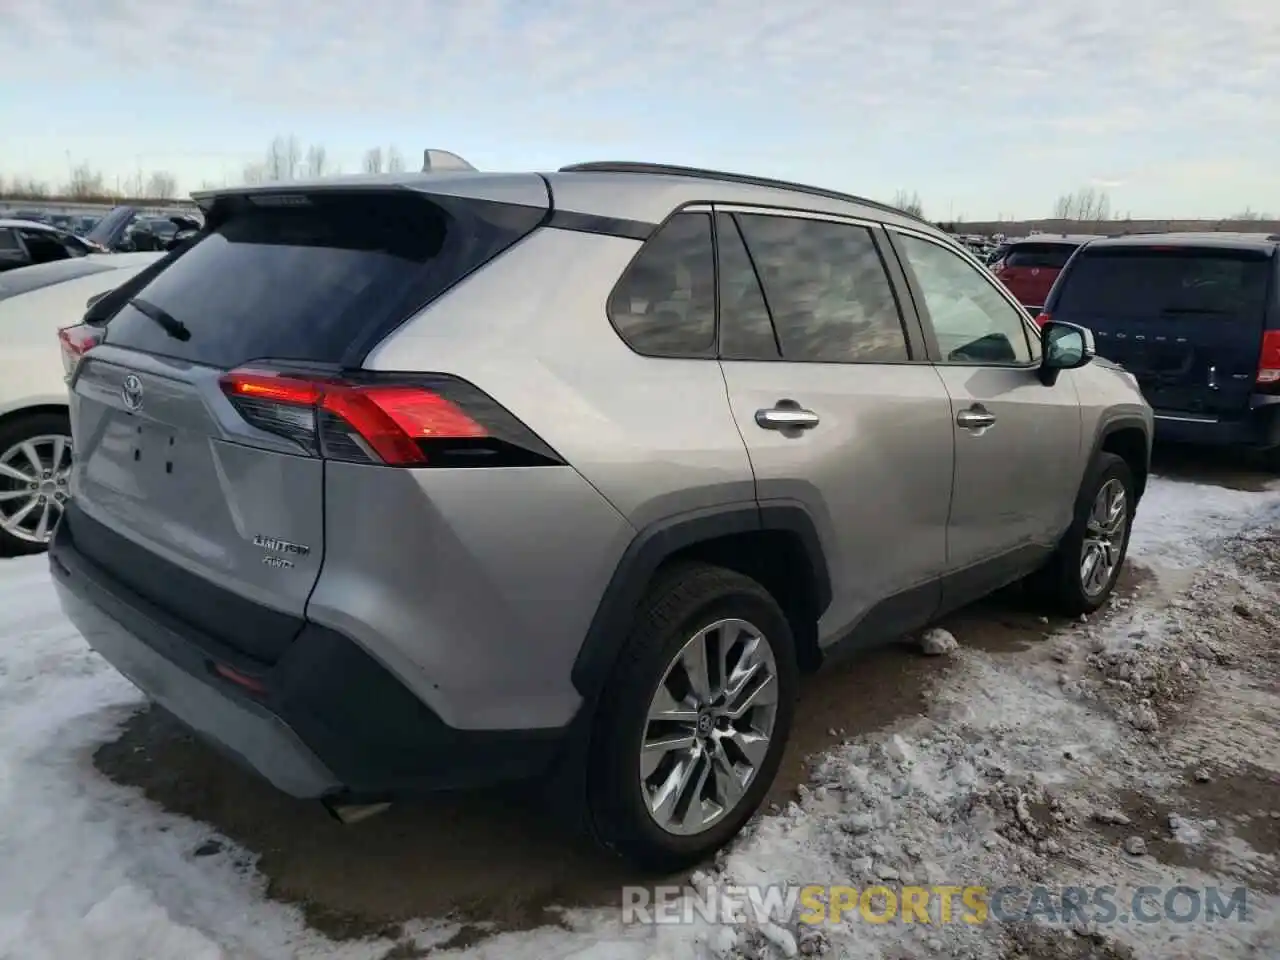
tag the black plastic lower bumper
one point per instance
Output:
(1258, 427)
(326, 720)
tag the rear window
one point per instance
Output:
(1053, 256)
(321, 279)
(27, 279)
(1141, 282)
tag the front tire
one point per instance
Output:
(694, 721)
(1082, 574)
(35, 470)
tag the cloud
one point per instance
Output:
(1094, 66)
(861, 92)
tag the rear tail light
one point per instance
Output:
(76, 342)
(1042, 318)
(1269, 360)
(429, 421)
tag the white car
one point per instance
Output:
(35, 435)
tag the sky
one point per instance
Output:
(984, 108)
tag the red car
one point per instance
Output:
(1029, 267)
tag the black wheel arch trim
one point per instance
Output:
(1114, 425)
(657, 542)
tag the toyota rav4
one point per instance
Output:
(426, 481)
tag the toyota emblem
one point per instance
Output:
(131, 392)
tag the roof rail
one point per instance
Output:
(439, 161)
(670, 169)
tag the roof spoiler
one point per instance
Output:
(441, 161)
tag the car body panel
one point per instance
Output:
(668, 447)
(31, 371)
(875, 473)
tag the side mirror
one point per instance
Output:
(1064, 346)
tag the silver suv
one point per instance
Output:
(430, 481)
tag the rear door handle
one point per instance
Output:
(975, 418)
(786, 415)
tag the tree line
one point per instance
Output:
(1084, 205)
(285, 158)
(90, 185)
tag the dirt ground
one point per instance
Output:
(490, 859)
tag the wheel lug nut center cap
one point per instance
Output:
(706, 723)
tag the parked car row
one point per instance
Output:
(77, 224)
(1196, 318)
(123, 230)
(1029, 267)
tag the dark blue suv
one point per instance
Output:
(1196, 318)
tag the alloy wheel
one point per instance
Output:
(709, 727)
(34, 485)
(1104, 537)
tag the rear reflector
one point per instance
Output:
(76, 342)
(439, 421)
(1269, 359)
(252, 684)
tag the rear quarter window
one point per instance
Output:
(1149, 283)
(664, 305)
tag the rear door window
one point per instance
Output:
(746, 329)
(45, 246)
(827, 289)
(12, 252)
(665, 303)
(1052, 256)
(320, 280)
(1148, 283)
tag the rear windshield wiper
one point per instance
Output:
(163, 318)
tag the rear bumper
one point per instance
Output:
(326, 720)
(1259, 428)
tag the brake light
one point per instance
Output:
(1269, 359)
(1042, 318)
(76, 342)
(441, 421)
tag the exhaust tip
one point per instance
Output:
(349, 813)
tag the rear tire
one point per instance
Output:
(19, 534)
(1069, 584)
(625, 780)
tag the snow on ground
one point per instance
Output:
(1028, 767)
